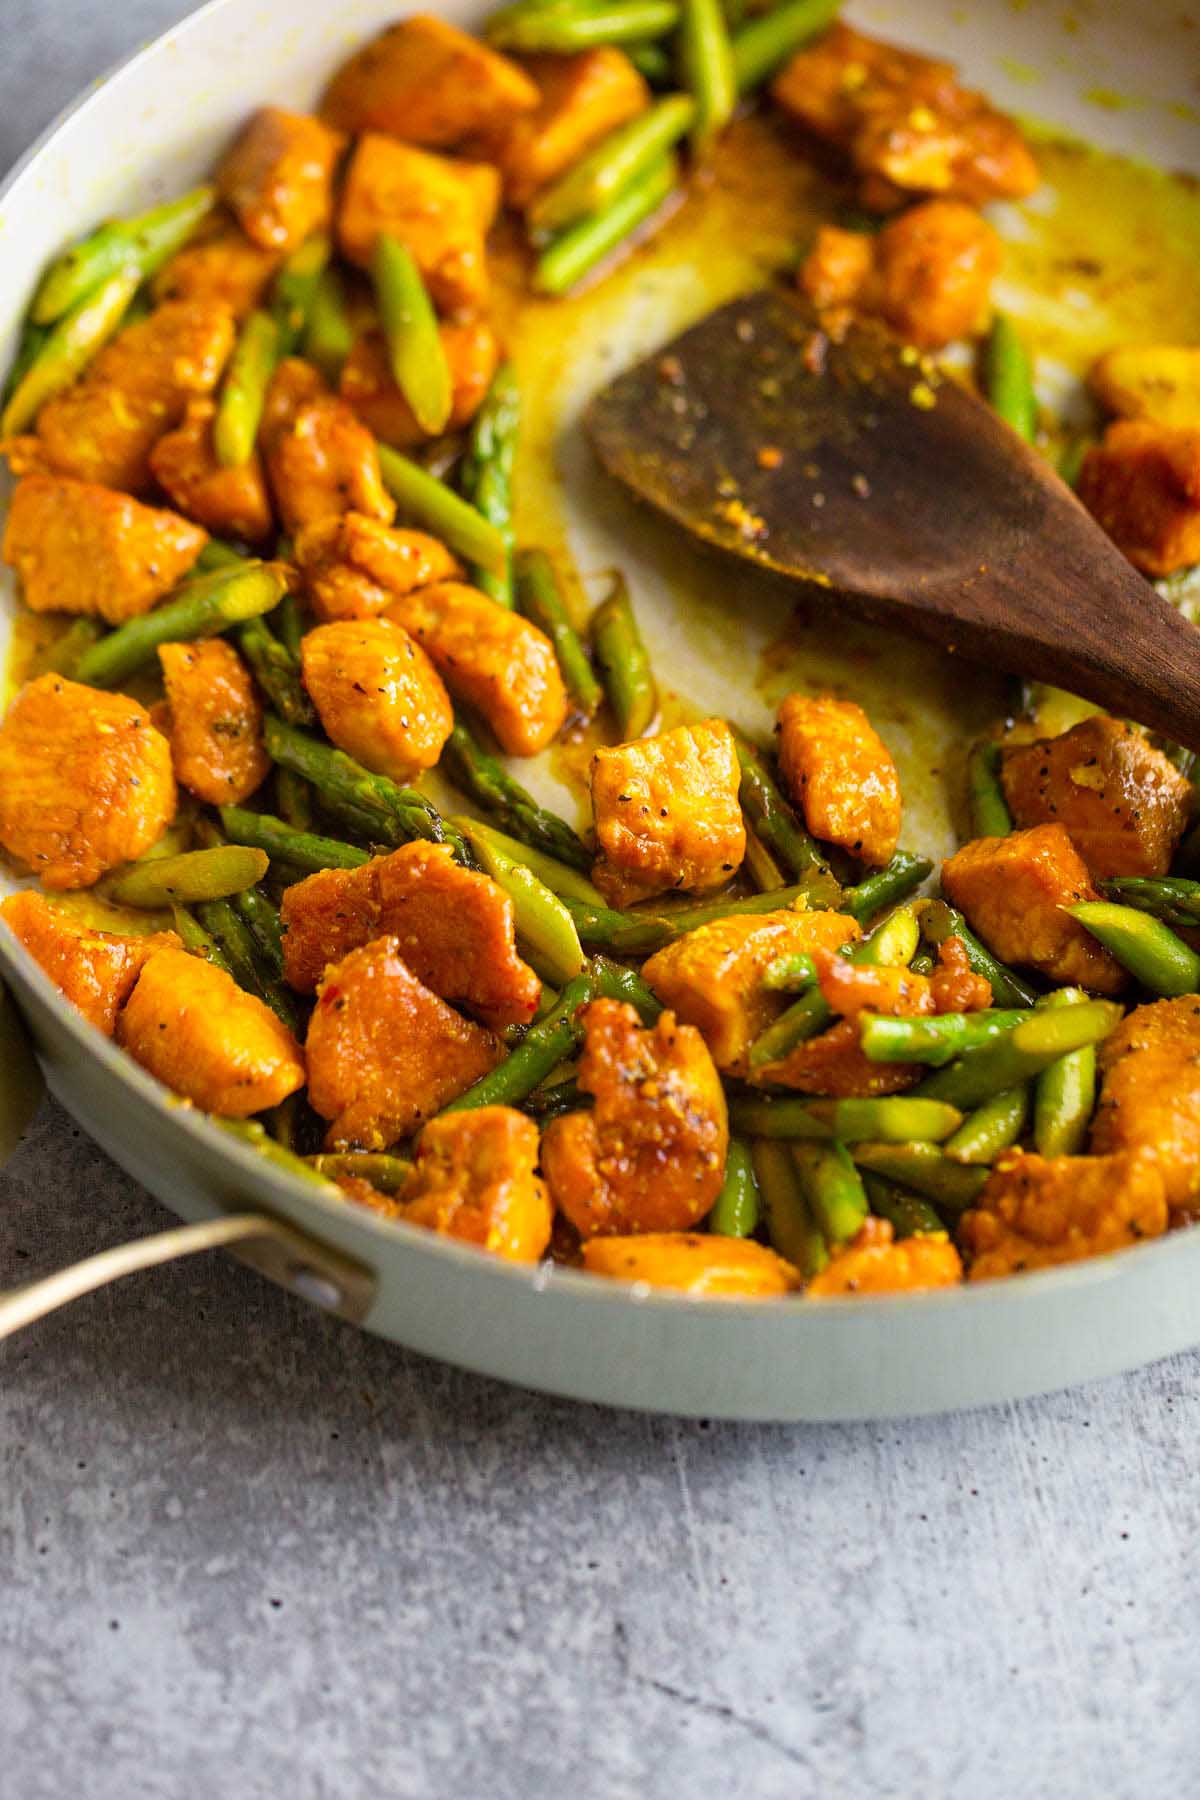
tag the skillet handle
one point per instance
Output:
(314, 1271)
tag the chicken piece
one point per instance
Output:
(104, 427)
(928, 274)
(475, 1178)
(96, 970)
(354, 566)
(1035, 1212)
(1125, 805)
(904, 120)
(85, 781)
(712, 978)
(439, 209)
(378, 695)
(220, 265)
(233, 502)
(1150, 1094)
(216, 727)
(384, 1052)
(277, 179)
(834, 1063)
(840, 773)
(650, 1156)
(204, 1037)
(456, 929)
(429, 83)
(492, 659)
(873, 1263)
(322, 461)
(1150, 381)
(78, 548)
(581, 99)
(667, 813)
(472, 351)
(1142, 484)
(720, 1268)
(1013, 890)
(954, 985)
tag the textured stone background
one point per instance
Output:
(246, 1551)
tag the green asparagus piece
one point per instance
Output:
(1008, 378)
(891, 945)
(294, 798)
(990, 816)
(927, 1170)
(933, 1041)
(416, 354)
(199, 609)
(554, 1099)
(613, 981)
(566, 882)
(302, 849)
(29, 347)
(262, 918)
(576, 251)
(196, 875)
(793, 1232)
(1065, 1093)
(902, 877)
(993, 1127)
(706, 64)
(387, 1173)
(290, 620)
(227, 929)
(771, 817)
(939, 921)
(244, 390)
(194, 938)
(68, 348)
(64, 655)
(736, 1208)
(545, 1045)
(276, 671)
(539, 600)
(1172, 899)
(760, 866)
(597, 178)
(544, 926)
(1150, 950)
(329, 336)
(253, 1133)
(1070, 462)
(640, 934)
(760, 47)
(896, 1119)
(143, 244)
(1039, 1040)
(294, 290)
(833, 1188)
(907, 1214)
(217, 555)
(430, 504)
(487, 472)
(564, 28)
(789, 974)
(624, 663)
(487, 781)
(652, 61)
(402, 812)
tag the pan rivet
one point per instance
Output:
(316, 1288)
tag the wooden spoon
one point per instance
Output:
(858, 466)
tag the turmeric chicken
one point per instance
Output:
(95, 969)
(840, 774)
(667, 813)
(429, 83)
(1142, 483)
(581, 99)
(440, 209)
(874, 1263)
(712, 1267)
(232, 501)
(354, 566)
(1150, 1094)
(215, 721)
(475, 1178)
(278, 177)
(378, 695)
(1035, 1212)
(472, 352)
(219, 264)
(321, 460)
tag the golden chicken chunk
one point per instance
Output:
(378, 695)
(79, 548)
(233, 502)
(475, 1178)
(928, 273)
(667, 813)
(104, 427)
(456, 929)
(354, 566)
(713, 1267)
(1142, 484)
(1013, 891)
(840, 773)
(429, 83)
(204, 1037)
(216, 721)
(492, 659)
(384, 1052)
(220, 264)
(85, 781)
(581, 98)
(277, 178)
(713, 978)
(904, 121)
(650, 1155)
(321, 460)
(441, 210)
(96, 970)
(834, 1062)
(1124, 803)
(1150, 381)
(1035, 1212)
(1150, 1094)
(873, 1263)
(472, 352)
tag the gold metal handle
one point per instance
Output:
(325, 1277)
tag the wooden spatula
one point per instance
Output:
(857, 466)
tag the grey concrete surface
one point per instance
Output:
(247, 1552)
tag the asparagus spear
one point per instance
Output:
(294, 798)
(276, 671)
(199, 609)
(1150, 950)
(416, 354)
(143, 243)
(482, 776)
(230, 932)
(566, 882)
(939, 921)
(545, 1045)
(833, 1188)
(29, 346)
(329, 335)
(927, 1170)
(244, 390)
(614, 981)
(775, 822)
(294, 290)
(907, 1214)
(251, 902)
(933, 1041)
(253, 1133)
(990, 816)
(1039, 1040)
(195, 875)
(760, 47)
(554, 1099)
(487, 471)
(897, 1119)
(401, 813)
(387, 1173)
(539, 600)
(624, 663)
(64, 655)
(564, 28)
(706, 62)
(217, 555)
(544, 926)
(68, 348)
(652, 61)
(902, 877)
(597, 178)
(282, 843)
(1065, 1093)
(195, 938)
(736, 1208)
(1008, 377)
(429, 503)
(791, 1228)
(993, 1127)
(578, 249)
(891, 945)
